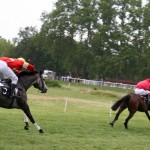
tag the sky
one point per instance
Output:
(16, 14)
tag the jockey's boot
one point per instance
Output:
(145, 98)
(13, 91)
(148, 99)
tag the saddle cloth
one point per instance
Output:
(5, 87)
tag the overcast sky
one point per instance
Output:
(16, 14)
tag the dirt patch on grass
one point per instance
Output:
(72, 100)
(103, 93)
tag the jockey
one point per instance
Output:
(143, 88)
(9, 67)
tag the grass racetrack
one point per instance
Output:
(83, 126)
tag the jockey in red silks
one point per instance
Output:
(143, 88)
(9, 67)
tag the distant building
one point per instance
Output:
(49, 74)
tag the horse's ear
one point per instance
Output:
(41, 72)
(30, 62)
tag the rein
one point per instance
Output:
(36, 80)
(42, 81)
(20, 80)
(39, 78)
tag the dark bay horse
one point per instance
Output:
(25, 81)
(133, 102)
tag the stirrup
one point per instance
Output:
(148, 99)
(145, 99)
(12, 96)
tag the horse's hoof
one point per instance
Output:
(26, 127)
(126, 127)
(111, 124)
(41, 131)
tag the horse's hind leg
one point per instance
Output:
(147, 114)
(128, 118)
(117, 115)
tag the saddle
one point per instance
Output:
(146, 98)
(5, 90)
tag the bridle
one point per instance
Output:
(39, 77)
(35, 82)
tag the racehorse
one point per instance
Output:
(133, 102)
(25, 81)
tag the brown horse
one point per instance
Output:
(133, 102)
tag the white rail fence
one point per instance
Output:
(100, 83)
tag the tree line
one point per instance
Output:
(92, 39)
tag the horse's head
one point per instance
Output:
(40, 82)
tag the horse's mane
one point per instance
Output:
(23, 73)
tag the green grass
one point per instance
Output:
(84, 125)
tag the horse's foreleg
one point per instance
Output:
(147, 114)
(29, 115)
(26, 121)
(117, 115)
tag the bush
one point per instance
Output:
(52, 83)
(94, 88)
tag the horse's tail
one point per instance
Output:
(119, 102)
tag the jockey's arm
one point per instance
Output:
(16, 71)
(28, 66)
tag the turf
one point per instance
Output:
(83, 126)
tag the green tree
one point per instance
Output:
(91, 39)
(5, 47)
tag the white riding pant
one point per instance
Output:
(7, 72)
(141, 91)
